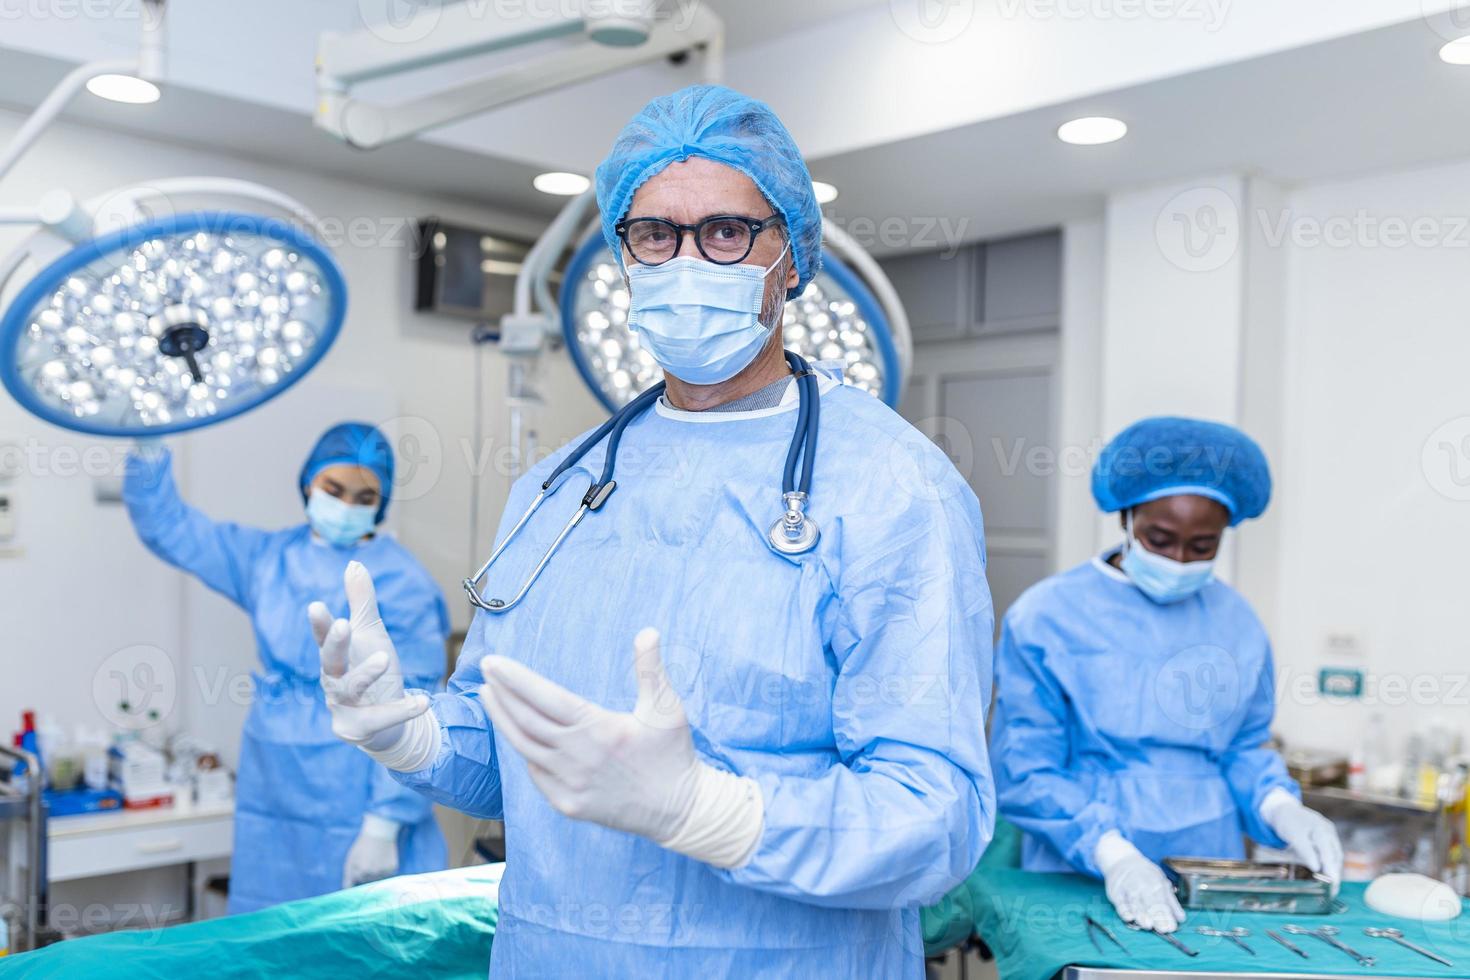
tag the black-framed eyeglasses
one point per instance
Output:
(723, 239)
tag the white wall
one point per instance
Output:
(81, 588)
(1374, 476)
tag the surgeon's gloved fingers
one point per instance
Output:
(506, 725)
(362, 597)
(527, 719)
(335, 647)
(362, 723)
(547, 697)
(357, 680)
(321, 621)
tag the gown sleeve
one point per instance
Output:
(420, 650)
(908, 812)
(219, 554)
(1251, 769)
(1037, 789)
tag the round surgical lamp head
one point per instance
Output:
(171, 323)
(836, 319)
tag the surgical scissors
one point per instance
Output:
(1397, 936)
(1328, 934)
(792, 534)
(1236, 936)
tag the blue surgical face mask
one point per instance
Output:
(701, 321)
(339, 523)
(1163, 580)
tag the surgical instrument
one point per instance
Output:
(1397, 936)
(792, 534)
(1166, 938)
(1094, 927)
(1328, 934)
(1288, 944)
(1236, 936)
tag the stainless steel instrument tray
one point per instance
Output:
(1249, 886)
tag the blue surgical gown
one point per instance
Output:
(1113, 712)
(851, 682)
(300, 793)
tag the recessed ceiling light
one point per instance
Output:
(1092, 130)
(826, 193)
(1457, 52)
(123, 88)
(561, 183)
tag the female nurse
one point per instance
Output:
(312, 814)
(1134, 693)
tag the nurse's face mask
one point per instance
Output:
(1162, 579)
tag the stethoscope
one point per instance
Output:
(793, 533)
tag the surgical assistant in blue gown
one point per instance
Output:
(1117, 712)
(301, 793)
(851, 682)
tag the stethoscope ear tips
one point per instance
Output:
(793, 533)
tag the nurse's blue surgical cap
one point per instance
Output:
(718, 124)
(1165, 456)
(356, 444)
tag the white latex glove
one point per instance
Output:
(374, 854)
(363, 681)
(636, 772)
(1311, 837)
(1138, 888)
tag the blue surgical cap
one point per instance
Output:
(718, 124)
(1165, 456)
(356, 444)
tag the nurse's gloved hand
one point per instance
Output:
(1138, 888)
(374, 854)
(636, 771)
(363, 681)
(1309, 835)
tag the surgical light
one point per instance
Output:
(826, 193)
(170, 323)
(561, 184)
(123, 88)
(1456, 52)
(837, 319)
(1092, 131)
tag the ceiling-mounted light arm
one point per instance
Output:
(460, 31)
(148, 65)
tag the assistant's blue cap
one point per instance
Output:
(1166, 456)
(357, 444)
(718, 124)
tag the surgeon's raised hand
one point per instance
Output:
(1138, 888)
(633, 771)
(362, 679)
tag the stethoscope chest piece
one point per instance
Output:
(793, 533)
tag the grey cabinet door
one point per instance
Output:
(935, 290)
(1023, 279)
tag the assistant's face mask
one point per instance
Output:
(336, 522)
(1163, 580)
(701, 321)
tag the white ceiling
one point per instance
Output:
(978, 150)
